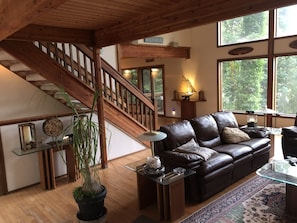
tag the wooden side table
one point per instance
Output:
(47, 167)
(168, 191)
(188, 109)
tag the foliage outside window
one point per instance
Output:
(286, 21)
(286, 79)
(244, 84)
(243, 29)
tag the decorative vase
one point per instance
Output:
(153, 162)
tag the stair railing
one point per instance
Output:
(119, 92)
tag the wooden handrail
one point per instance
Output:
(78, 60)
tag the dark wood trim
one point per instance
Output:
(271, 76)
(3, 181)
(54, 34)
(30, 119)
(150, 51)
(100, 108)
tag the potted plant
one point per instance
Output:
(84, 142)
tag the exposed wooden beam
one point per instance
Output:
(148, 51)
(188, 14)
(16, 14)
(55, 34)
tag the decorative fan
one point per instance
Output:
(52, 127)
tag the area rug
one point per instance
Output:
(259, 200)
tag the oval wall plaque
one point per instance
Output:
(293, 44)
(240, 50)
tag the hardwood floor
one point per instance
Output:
(33, 204)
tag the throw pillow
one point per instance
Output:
(194, 148)
(234, 135)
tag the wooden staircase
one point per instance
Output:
(59, 68)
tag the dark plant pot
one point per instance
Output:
(92, 208)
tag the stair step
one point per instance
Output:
(5, 56)
(49, 87)
(19, 67)
(35, 77)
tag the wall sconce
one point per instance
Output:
(27, 136)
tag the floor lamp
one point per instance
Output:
(152, 136)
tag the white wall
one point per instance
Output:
(109, 54)
(201, 69)
(20, 99)
(22, 171)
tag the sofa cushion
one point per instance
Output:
(177, 134)
(235, 150)
(192, 147)
(234, 135)
(225, 119)
(215, 162)
(206, 130)
(257, 143)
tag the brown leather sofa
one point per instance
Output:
(289, 141)
(229, 163)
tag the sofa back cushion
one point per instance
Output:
(225, 119)
(206, 130)
(177, 134)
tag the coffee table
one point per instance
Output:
(168, 190)
(282, 171)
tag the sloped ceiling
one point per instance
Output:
(106, 22)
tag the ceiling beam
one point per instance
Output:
(55, 34)
(16, 14)
(187, 14)
(149, 51)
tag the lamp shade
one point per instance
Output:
(152, 136)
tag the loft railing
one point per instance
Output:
(78, 60)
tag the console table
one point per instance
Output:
(47, 164)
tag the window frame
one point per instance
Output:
(140, 80)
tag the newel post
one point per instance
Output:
(100, 107)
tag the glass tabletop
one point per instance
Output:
(168, 177)
(279, 170)
(50, 145)
(135, 164)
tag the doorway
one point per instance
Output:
(150, 80)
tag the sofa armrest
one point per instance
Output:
(255, 132)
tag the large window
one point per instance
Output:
(243, 29)
(286, 87)
(286, 21)
(244, 81)
(150, 81)
(244, 84)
